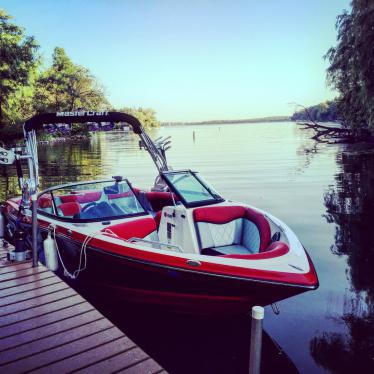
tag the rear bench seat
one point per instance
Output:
(229, 230)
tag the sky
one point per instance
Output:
(193, 60)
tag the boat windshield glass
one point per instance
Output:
(96, 201)
(191, 188)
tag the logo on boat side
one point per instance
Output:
(81, 113)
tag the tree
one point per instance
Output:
(321, 112)
(66, 86)
(351, 69)
(146, 116)
(18, 62)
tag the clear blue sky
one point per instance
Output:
(193, 60)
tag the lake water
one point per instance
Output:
(325, 193)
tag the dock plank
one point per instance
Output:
(22, 273)
(121, 361)
(148, 366)
(51, 341)
(9, 264)
(38, 311)
(45, 319)
(46, 331)
(25, 280)
(11, 267)
(63, 353)
(38, 283)
(4, 248)
(92, 356)
(37, 292)
(37, 301)
(45, 326)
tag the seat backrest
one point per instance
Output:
(218, 226)
(83, 198)
(89, 197)
(70, 209)
(45, 203)
(253, 217)
(160, 199)
(155, 200)
(275, 249)
(68, 198)
(229, 225)
(119, 195)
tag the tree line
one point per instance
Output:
(323, 112)
(351, 70)
(350, 73)
(26, 88)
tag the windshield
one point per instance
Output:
(192, 190)
(91, 201)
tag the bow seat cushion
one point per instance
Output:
(232, 229)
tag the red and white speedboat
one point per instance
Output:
(179, 244)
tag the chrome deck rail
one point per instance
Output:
(134, 239)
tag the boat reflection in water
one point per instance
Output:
(186, 343)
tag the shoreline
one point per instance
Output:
(228, 122)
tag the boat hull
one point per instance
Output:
(141, 280)
(134, 280)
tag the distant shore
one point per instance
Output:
(230, 121)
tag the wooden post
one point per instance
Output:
(256, 340)
(34, 230)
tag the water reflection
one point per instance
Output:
(350, 205)
(187, 344)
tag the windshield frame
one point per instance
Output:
(87, 220)
(193, 204)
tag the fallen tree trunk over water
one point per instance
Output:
(337, 133)
(334, 133)
(325, 132)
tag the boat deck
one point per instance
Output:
(45, 326)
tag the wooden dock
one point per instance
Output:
(46, 327)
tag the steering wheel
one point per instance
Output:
(89, 205)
